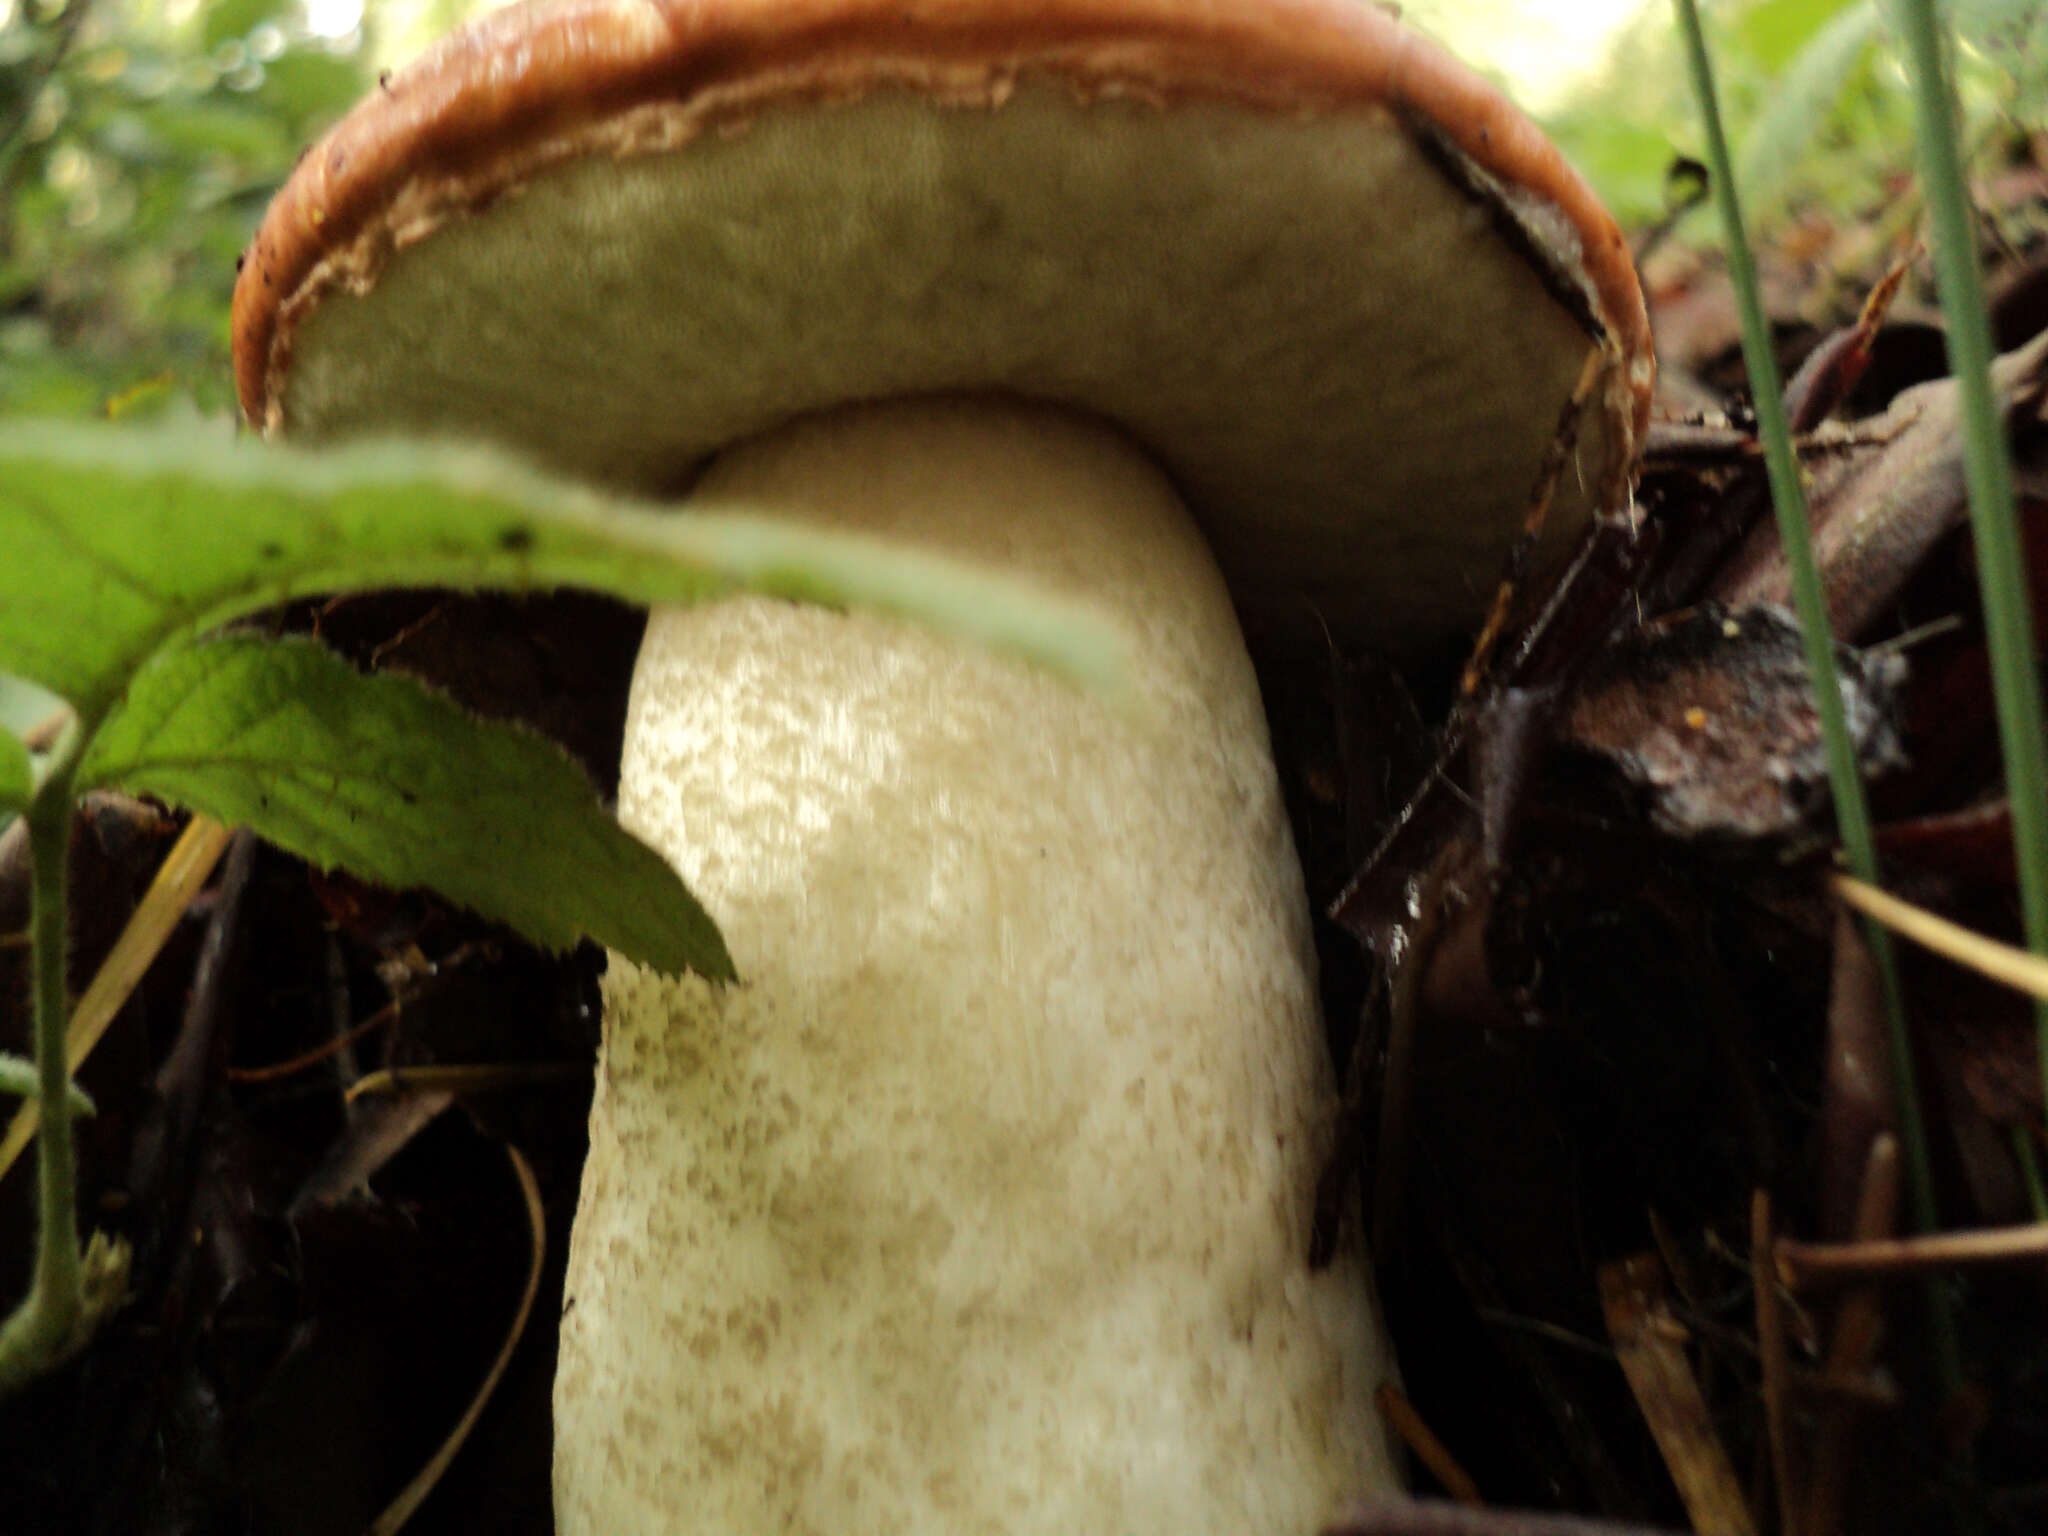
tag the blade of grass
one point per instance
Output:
(2030, 1173)
(1987, 469)
(1788, 499)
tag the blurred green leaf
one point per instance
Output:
(194, 127)
(1998, 22)
(1807, 94)
(17, 777)
(1624, 155)
(1770, 34)
(309, 87)
(232, 20)
(138, 171)
(117, 541)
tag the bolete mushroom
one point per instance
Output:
(982, 1203)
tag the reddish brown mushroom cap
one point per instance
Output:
(510, 110)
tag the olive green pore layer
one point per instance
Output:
(1348, 371)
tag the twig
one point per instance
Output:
(1811, 1266)
(1649, 1342)
(1416, 1434)
(389, 1014)
(1556, 454)
(1770, 1344)
(1859, 1321)
(463, 1079)
(293, 1065)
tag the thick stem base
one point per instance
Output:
(982, 1204)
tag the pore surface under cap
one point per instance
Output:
(1344, 354)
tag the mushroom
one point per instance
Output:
(982, 1203)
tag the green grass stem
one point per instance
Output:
(42, 1328)
(1987, 470)
(1788, 498)
(2030, 1172)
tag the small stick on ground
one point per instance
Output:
(1859, 1323)
(1770, 1344)
(2016, 968)
(1650, 1344)
(1817, 1266)
(1416, 1434)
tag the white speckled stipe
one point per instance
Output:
(981, 1205)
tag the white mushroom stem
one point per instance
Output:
(982, 1205)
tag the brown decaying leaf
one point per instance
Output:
(1650, 1342)
(1628, 568)
(1832, 369)
(1884, 492)
(1710, 715)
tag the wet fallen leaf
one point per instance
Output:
(1884, 492)
(1711, 717)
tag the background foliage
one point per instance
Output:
(139, 143)
(1815, 98)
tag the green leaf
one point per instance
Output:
(17, 777)
(397, 784)
(117, 540)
